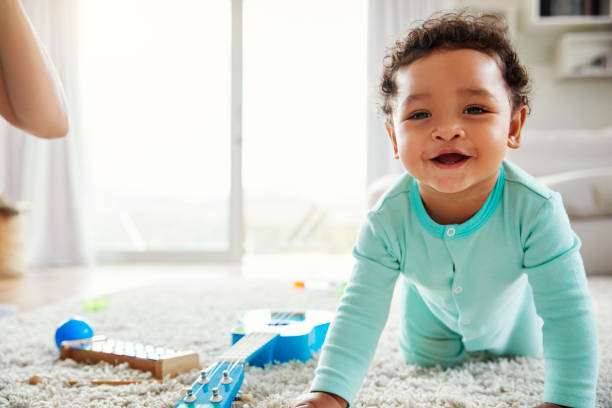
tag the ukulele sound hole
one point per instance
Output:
(278, 323)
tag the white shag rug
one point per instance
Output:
(198, 316)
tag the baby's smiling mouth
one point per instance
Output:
(450, 158)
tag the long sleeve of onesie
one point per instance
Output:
(362, 313)
(528, 234)
(556, 274)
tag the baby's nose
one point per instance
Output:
(448, 133)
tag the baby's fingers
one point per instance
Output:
(318, 400)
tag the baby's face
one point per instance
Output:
(453, 120)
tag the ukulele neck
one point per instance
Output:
(247, 346)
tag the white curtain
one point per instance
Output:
(46, 174)
(387, 20)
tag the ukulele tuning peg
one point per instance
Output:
(215, 395)
(226, 378)
(190, 397)
(203, 379)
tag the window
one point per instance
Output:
(157, 89)
(156, 102)
(304, 124)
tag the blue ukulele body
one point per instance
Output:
(263, 336)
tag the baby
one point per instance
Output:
(482, 251)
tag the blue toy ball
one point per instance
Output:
(75, 328)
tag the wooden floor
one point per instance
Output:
(43, 286)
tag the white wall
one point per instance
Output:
(556, 103)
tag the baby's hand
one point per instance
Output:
(319, 400)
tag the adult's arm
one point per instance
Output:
(31, 94)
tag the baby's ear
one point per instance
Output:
(391, 133)
(517, 120)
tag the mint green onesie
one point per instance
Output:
(507, 281)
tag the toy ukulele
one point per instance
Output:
(262, 337)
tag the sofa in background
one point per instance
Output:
(577, 164)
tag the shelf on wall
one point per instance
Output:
(571, 12)
(585, 55)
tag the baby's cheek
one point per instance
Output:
(410, 159)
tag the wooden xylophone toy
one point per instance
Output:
(160, 361)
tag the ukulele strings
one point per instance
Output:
(209, 374)
(253, 340)
(219, 364)
(280, 316)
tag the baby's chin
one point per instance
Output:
(450, 190)
(449, 187)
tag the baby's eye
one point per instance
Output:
(475, 110)
(419, 115)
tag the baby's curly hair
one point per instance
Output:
(462, 29)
